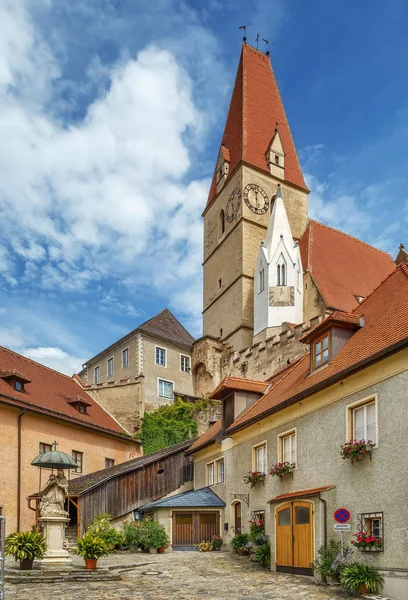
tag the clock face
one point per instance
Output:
(256, 199)
(233, 204)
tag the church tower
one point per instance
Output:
(256, 153)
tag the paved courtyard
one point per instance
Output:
(180, 576)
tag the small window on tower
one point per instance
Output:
(261, 280)
(276, 159)
(222, 222)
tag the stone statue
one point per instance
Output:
(53, 496)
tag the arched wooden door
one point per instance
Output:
(237, 517)
(294, 538)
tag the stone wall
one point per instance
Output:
(123, 400)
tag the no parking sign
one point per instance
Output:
(342, 515)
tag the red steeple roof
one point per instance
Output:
(255, 112)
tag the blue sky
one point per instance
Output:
(111, 113)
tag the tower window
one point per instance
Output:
(222, 222)
(220, 332)
(281, 273)
(261, 280)
(220, 283)
(276, 159)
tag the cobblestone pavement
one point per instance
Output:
(181, 576)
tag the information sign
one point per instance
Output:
(342, 527)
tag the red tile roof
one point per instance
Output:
(300, 493)
(255, 111)
(50, 393)
(342, 266)
(237, 383)
(385, 329)
(207, 438)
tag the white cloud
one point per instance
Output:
(106, 196)
(55, 358)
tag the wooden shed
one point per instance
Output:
(121, 489)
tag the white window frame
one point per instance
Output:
(350, 408)
(210, 480)
(156, 348)
(217, 466)
(158, 388)
(189, 364)
(111, 358)
(123, 352)
(97, 368)
(254, 456)
(281, 437)
(214, 464)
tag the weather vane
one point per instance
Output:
(244, 27)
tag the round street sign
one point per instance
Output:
(342, 515)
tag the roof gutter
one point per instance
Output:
(323, 384)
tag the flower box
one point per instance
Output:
(367, 543)
(254, 477)
(282, 469)
(356, 450)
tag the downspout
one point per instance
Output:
(324, 520)
(20, 416)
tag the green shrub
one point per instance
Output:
(239, 542)
(168, 425)
(353, 576)
(133, 533)
(153, 534)
(101, 527)
(25, 545)
(91, 546)
(326, 557)
(263, 555)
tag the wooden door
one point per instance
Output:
(207, 525)
(302, 516)
(284, 536)
(183, 529)
(294, 538)
(238, 520)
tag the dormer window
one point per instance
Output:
(19, 386)
(79, 403)
(321, 351)
(15, 379)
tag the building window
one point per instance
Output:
(44, 447)
(165, 389)
(220, 332)
(259, 458)
(364, 423)
(321, 351)
(160, 357)
(261, 280)
(287, 447)
(97, 374)
(18, 386)
(125, 358)
(220, 470)
(185, 363)
(110, 367)
(210, 474)
(276, 159)
(109, 462)
(221, 222)
(79, 459)
(220, 283)
(81, 408)
(372, 525)
(281, 272)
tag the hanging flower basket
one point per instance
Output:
(254, 477)
(356, 450)
(281, 469)
(366, 542)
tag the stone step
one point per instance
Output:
(65, 578)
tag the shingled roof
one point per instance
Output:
(385, 330)
(343, 267)
(80, 485)
(256, 111)
(202, 498)
(50, 393)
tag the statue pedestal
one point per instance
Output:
(54, 533)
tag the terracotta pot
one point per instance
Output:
(153, 550)
(90, 563)
(161, 550)
(363, 589)
(26, 564)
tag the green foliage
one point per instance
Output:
(101, 527)
(325, 559)
(25, 545)
(91, 546)
(353, 576)
(153, 534)
(239, 542)
(216, 542)
(133, 533)
(263, 555)
(168, 425)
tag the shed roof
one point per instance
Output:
(203, 498)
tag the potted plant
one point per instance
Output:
(133, 536)
(257, 531)
(239, 542)
(281, 469)
(360, 578)
(205, 546)
(328, 562)
(153, 536)
(91, 547)
(263, 554)
(356, 450)
(101, 527)
(366, 542)
(216, 542)
(25, 546)
(254, 477)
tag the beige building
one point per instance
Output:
(145, 369)
(350, 385)
(37, 407)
